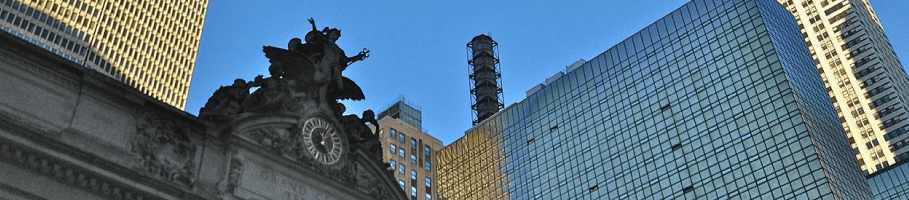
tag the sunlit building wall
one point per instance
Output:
(473, 167)
(150, 45)
(863, 75)
(717, 100)
(409, 150)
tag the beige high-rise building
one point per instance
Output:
(863, 75)
(150, 45)
(409, 150)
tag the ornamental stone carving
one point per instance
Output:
(305, 81)
(163, 149)
(278, 140)
(295, 113)
(303, 77)
(67, 173)
(234, 173)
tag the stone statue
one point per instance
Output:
(267, 97)
(305, 79)
(357, 126)
(296, 114)
(226, 100)
(303, 76)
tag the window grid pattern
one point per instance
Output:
(891, 183)
(419, 162)
(697, 105)
(479, 175)
(149, 45)
(863, 76)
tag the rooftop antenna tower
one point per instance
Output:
(485, 77)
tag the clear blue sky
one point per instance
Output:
(418, 47)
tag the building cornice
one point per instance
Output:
(30, 148)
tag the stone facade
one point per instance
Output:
(410, 150)
(71, 133)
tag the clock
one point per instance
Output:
(322, 140)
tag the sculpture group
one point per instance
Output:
(306, 80)
(295, 114)
(304, 76)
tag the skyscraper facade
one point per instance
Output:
(718, 99)
(473, 166)
(863, 75)
(150, 45)
(890, 183)
(409, 150)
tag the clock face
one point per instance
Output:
(322, 140)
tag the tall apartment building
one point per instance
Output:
(863, 75)
(150, 45)
(717, 100)
(409, 150)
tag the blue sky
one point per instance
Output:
(418, 48)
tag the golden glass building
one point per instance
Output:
(473, 167)
(863, 75)
(150, 45)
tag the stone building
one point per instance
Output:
(67, 132)
(409, 151)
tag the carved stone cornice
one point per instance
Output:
(72, 174)
(30, 58)
(67, 173)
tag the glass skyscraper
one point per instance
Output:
(717, 100)
(891, 183)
